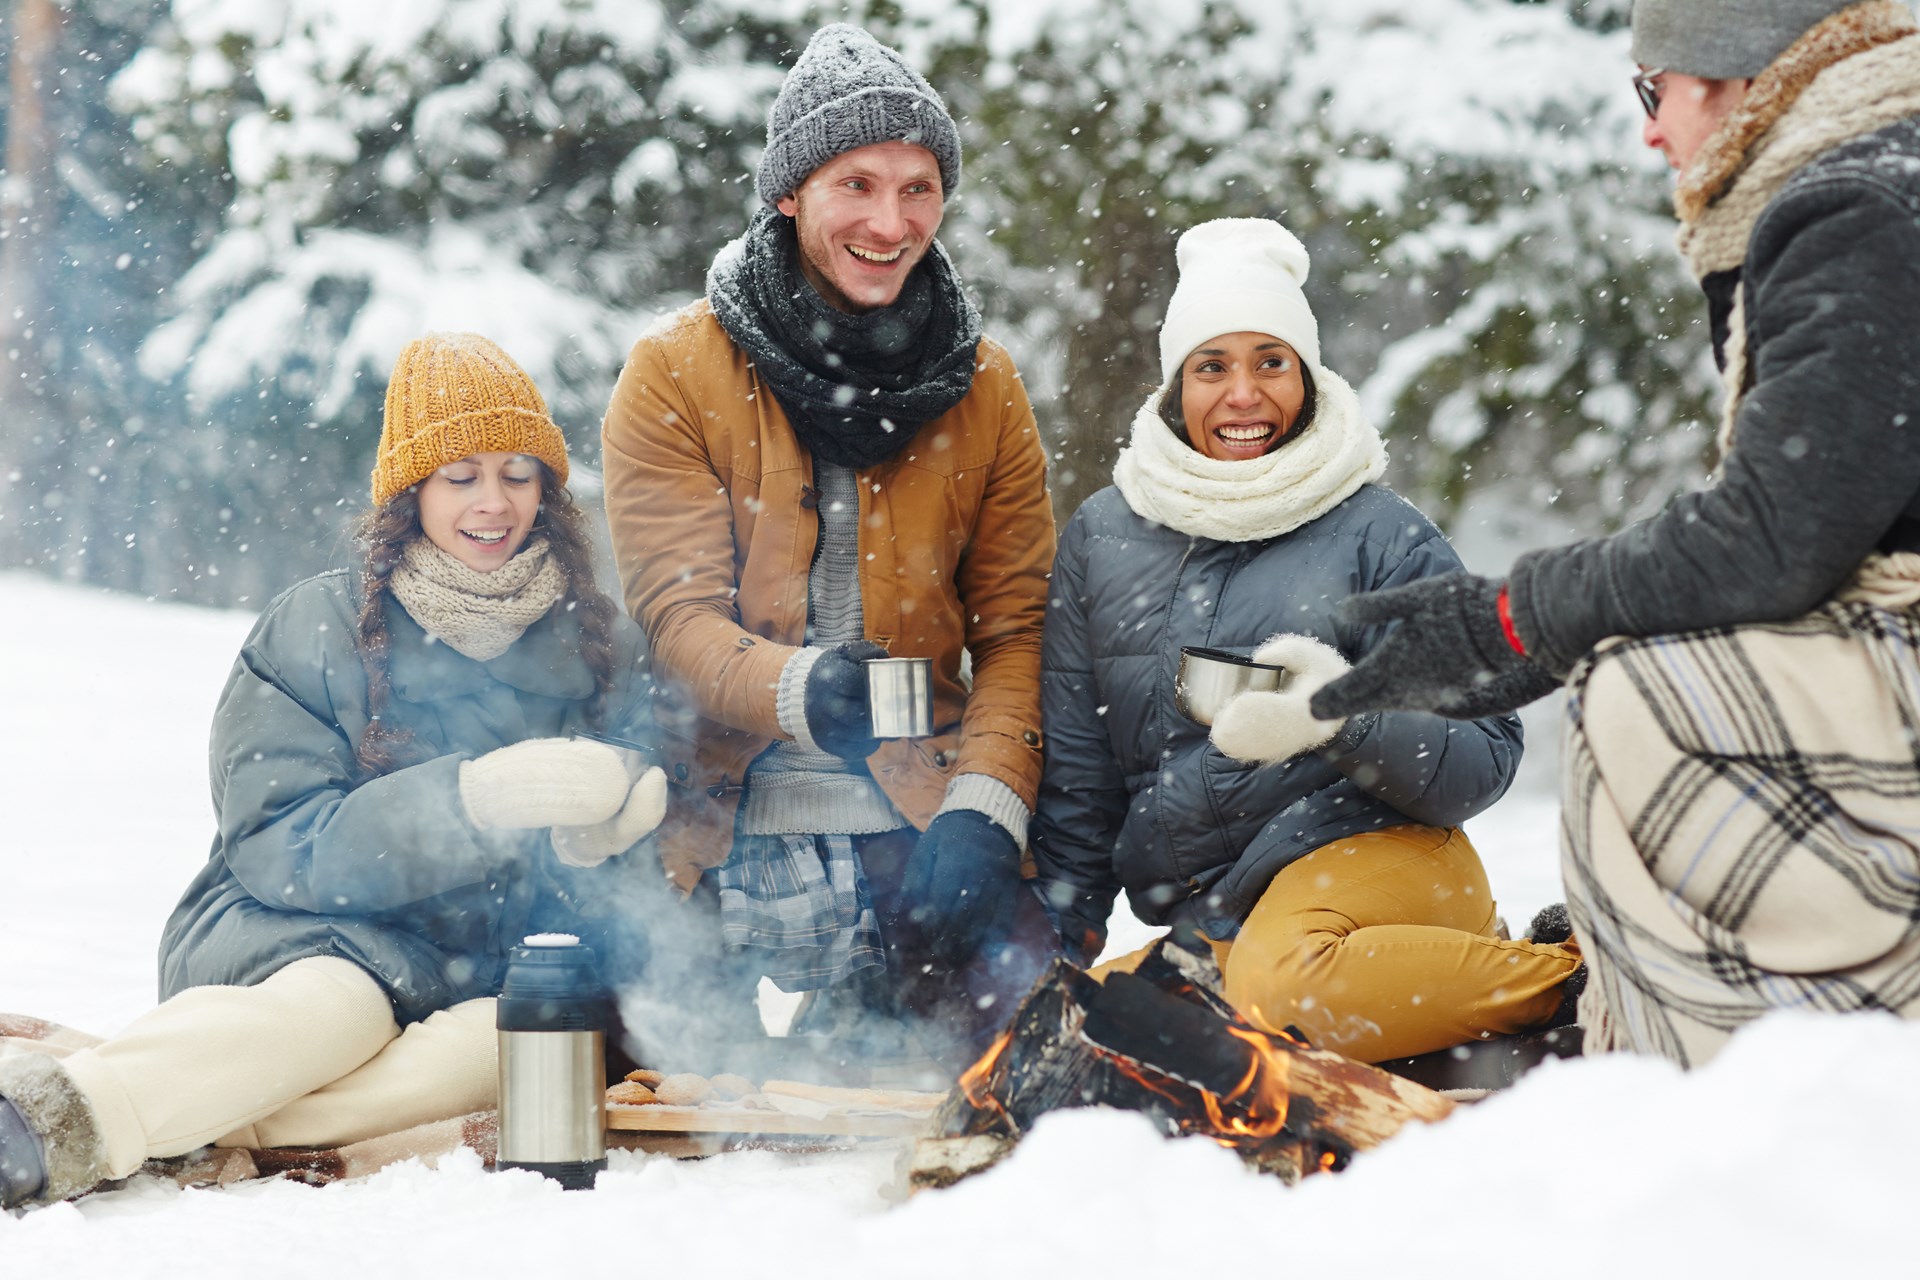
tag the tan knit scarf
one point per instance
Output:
(1168, 481)
(478, 614)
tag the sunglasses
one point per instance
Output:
(1647, 91)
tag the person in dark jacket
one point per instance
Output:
(400, 799)
(1321, 857)
(1744, 667)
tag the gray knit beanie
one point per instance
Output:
(848, 90)
(1722, 39)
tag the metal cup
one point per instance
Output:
(1208, 677)
(900, 697)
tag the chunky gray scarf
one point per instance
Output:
(855, 387)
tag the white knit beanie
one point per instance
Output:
(1238, 275)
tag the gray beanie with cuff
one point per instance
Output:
(847, 91)
(1722, 39)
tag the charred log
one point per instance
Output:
(1160, 1041)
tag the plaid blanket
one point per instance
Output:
(801, 905)
(1741, 829)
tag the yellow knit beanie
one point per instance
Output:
(456, 394)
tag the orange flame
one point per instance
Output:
(1260, 1097)
(976, 1082)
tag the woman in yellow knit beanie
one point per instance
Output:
(402, 795)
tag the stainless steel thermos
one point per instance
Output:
(552, 1020)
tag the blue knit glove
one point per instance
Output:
(1448, 655)
(837, 706)
(960, 883)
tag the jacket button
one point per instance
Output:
(680, 772)
(717, 790)
(1031, 737)
(939, 759)
(745, 642)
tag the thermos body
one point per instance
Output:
(543, 1118)
(552, 1021)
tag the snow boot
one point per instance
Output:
(50, 1144)
(23, 1169)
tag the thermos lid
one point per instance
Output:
(552, 984)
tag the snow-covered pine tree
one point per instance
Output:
(89, 472)
(550, 173)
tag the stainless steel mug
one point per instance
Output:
(552, 1020)
(900, 697)
(1208, 677)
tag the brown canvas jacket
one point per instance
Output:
(710, 501)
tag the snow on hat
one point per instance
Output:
(848, 90)
(453, 395)
(1722, 39)
(1238, 275)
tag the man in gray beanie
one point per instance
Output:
(819, 464)
(1742, 826)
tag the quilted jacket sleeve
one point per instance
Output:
(1083, 795)
(296, 830)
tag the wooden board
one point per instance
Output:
(658, 1118)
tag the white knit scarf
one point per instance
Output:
(478, 614)
(1166, 480)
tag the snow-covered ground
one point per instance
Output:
(1790, 1151)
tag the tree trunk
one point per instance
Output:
(27, 206)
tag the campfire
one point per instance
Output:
(1161, 1041)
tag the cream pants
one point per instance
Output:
(310, 1057)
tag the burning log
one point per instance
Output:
(1161, 1041)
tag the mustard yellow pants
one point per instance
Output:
(1382, 946)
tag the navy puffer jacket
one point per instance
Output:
(1135, 796)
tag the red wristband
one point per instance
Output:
(1505, 611)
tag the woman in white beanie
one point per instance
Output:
(1322, 859)
(401, 795)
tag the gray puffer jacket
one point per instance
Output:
(313, 858)
(1135, 796)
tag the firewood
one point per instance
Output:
(1161, 1041)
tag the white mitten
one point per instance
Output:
(1267, 727)
(543, 782)
(589, 846)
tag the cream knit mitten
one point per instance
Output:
(543, 782)
(591, 845)
(1269, 727)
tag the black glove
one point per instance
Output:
(1449, 655)
(837, 706)
(960, 883)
